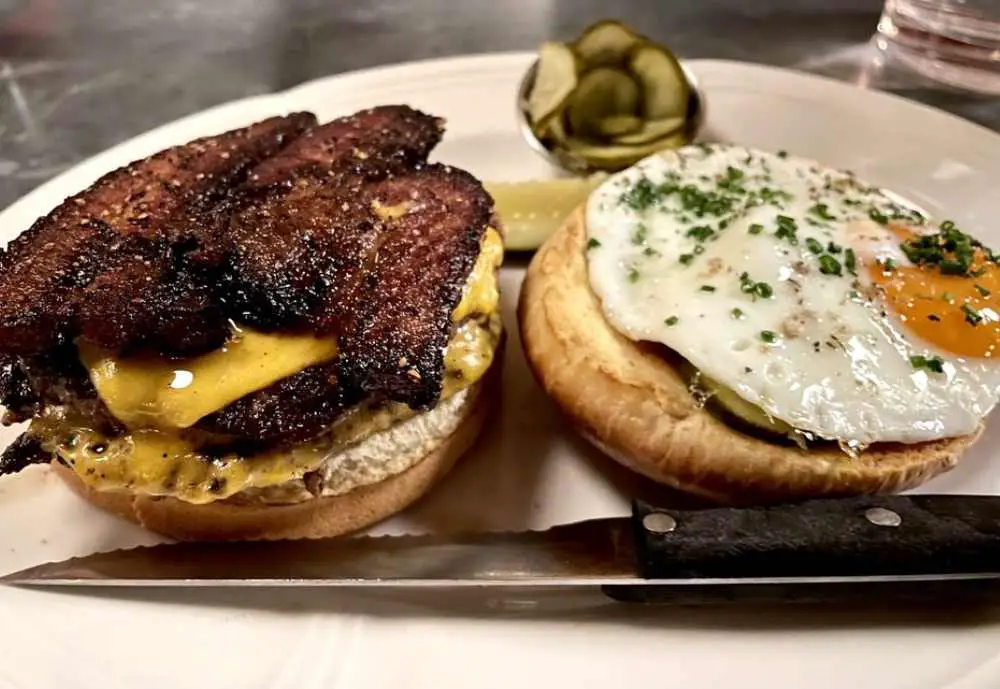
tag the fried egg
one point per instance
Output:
(805, 290)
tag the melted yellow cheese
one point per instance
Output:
(154, 462)
(481, 293)
(470, 353)
(156, 392)
(168, 462)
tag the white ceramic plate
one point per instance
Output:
(529, 473)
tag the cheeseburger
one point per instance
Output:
(285, 330)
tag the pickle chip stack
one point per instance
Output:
(608, 99)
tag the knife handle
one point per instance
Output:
(951, 594)
(853, 536)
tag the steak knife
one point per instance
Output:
(921, 547)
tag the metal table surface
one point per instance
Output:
(78, 76)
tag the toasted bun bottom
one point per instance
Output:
(635, 407)
(314, 518)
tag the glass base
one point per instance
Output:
(953, 51)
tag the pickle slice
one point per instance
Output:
(606, 44)
(555, 80)
(532, 211)
(748, 413)
(617, 156)
(733, 409)
(619, 125)
(554, 129)
(665, 91)
(601, 93)
(651, 130)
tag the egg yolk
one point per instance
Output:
(959, 314)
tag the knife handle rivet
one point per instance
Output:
(659, 522)
(880, 516)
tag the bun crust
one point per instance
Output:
(315, 518)
(636, 408)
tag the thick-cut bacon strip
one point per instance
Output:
(158, 199)
(380, 267)
(395, 344)
(369, 143)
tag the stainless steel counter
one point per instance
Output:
(77, 76)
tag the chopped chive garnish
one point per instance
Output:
(878, 216)
(633, 274)
(972, 317)
(707, 288)
(732, 180)
(641, 196)
(769, 336)
(593, 243)
(701, 232)
(983, 292)
(814, 246)
(954, 267)
(703, 203)
(950, 249)
(787, 229)
(671, 321)
(774, 196)
(736, 313)
(639, 236)
(686, 258)
(828, 265)
(756, 228)
(934, 364)
(834, 248)
(757, 290)
(850, 261)
(821, 210)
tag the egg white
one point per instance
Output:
(839, 366)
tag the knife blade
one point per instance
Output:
(939, 547)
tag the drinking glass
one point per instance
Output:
(952, 41)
